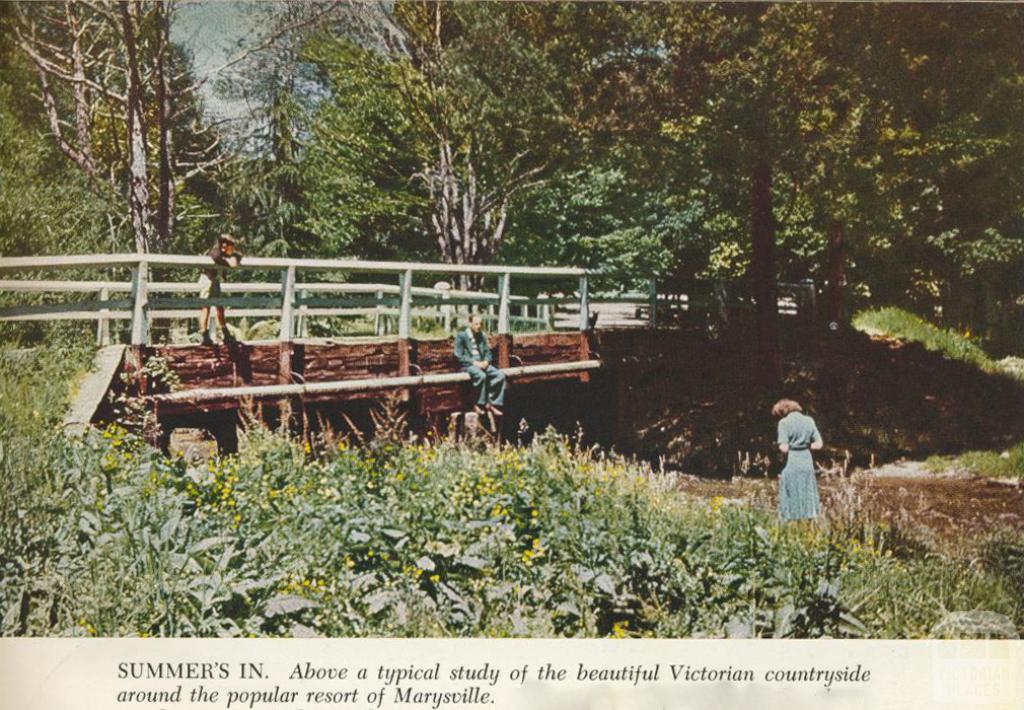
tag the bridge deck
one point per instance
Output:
(215, 383)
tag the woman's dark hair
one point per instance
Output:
(785, 406)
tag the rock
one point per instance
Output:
(301, 631)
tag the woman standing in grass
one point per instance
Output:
(798, 436)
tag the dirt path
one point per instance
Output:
(953, 506)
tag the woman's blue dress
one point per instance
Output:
(798, 489)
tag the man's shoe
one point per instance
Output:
(229, 338)
(207, 340)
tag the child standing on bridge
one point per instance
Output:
(223, 253)
(798, 436)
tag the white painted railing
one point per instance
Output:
(294, 301)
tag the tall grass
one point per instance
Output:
(103, 536)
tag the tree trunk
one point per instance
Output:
(165, 202)
(83, 117)
(469, 224)
(138, 189)
(835, 273)
(762, 272)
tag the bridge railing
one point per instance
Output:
(392, 307)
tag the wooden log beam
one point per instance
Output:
(363, 385)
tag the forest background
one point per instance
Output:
(874, 148)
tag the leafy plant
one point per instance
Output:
(103, 535)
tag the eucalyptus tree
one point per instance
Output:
(121, 103)
(46, 206)
(446, 126)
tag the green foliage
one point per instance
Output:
(103, 536)
(903, 325)
(614, 136)
(361, 165)
(46, 206)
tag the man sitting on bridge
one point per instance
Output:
(474, 354)
(223, 253)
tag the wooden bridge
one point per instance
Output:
(348, 331)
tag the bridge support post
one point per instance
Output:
(140, 324)
(652, 296)
(286, 350)
(584, 325)
(405, 328)
(504, 321)
(156, 432)
(379, 317)
(103, 324)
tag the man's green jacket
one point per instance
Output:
(464, 347)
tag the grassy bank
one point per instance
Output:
(902, 325)
(102, 536)
(991, 464)
(899, 324)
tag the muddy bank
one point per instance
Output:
(949, 508)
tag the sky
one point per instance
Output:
(212, 30)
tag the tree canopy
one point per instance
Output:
(874, 148)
